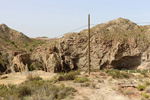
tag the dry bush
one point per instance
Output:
(86, 84)
(35, 90)
(33, 77)
(24, 91)
(68, 76)
(81, 79)
(128, 92)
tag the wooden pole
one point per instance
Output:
(89, 44)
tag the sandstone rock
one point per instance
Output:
(21, 62)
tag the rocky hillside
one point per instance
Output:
(12, 40)
(116, 44)
(119, 44)
(11, 35)
(13, 43)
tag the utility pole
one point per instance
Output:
(89, 44)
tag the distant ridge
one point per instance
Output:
(7, 33)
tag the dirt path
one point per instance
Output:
(100, 92)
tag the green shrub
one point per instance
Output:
(15, 45)
(81, 79)
(125, 70)
(145, 95)
(141, 87)
(24, 91)
(132, 71)
(68, 76)
(31, 49)
(31, 68)
(117, 74)
(35, 77)
(12, 42)
(138, 71)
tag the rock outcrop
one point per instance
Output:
(21, 62)
(119, 44)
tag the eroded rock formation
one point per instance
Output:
(119, 44)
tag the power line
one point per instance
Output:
(78, 28)
(92, 25)
(72, 31)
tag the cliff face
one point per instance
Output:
(119, 44)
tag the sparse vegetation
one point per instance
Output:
(145, 95)
(33, 77)
(141, 87)
(117, 74)
(36, 90)
(68, 76)
(31, 49)
(26, 45)
(81, 79)
(12, 42)
(128, 92)
(24, 91)
(15, 45)
(86, 84)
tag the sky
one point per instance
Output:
(52, 18)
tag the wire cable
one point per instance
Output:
(92, 25)
(71, 31)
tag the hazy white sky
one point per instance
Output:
(52, 18)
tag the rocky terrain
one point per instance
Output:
(119, 44)
(76, 85)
